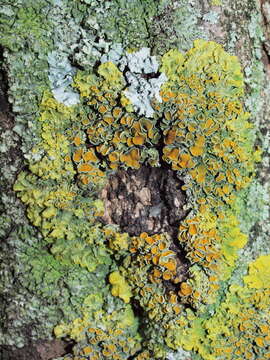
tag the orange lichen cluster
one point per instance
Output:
(113, 132)
(120, 137)
(144, 355)
(205, 144)
(155, 264)
(100, 334)
(203, 245)
(211, 243)
(238, 329)
(156, 252)
(207, 135)
(86, 161)
(207, 140)
(203, 132)
(108, 344)
(247, 326)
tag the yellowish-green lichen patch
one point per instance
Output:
(200, 129)
(120, 287)
(259, 273)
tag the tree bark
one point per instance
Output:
(44, 45)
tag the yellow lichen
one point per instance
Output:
(120, 287)
(203, 133)
(259, 273)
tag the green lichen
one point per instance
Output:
(238, 329)
(119, 296)
(259, 275)
(217, 147)
(216, 2)
(37, 290)
(120, 287)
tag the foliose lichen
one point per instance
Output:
(114, 294)
(205, 137)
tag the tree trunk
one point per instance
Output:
(106, 187)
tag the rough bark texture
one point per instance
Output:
(145, 200)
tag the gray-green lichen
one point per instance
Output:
(60, 76)
(137, 65)
(37, 291)
(245, 36)
(52, 39)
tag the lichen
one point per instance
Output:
(200, 108)
(120, 287)
(116, 295)
(259, 275)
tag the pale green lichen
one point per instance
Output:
(43, 292)
(259, 273)
(104, 275)
(217, 146)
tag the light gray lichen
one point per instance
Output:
(142, 62)
(212, 17)
(6, 10)
(115, 55)
(61, 77)
(142, 91)
(178, 355)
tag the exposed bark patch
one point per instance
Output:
(11, 158)
(6, 118)
(38, 350)
(13, 154)
(146, 200)
(265, 9)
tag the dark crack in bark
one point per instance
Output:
(146, 200)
